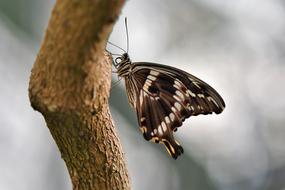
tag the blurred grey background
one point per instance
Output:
(238, 47)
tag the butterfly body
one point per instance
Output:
(164, 97)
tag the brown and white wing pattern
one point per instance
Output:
(164, 97)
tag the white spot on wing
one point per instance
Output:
(178, 106)
(147, 84)
(176, 98)
(201, 96)
(163, 126)
(145, 87)
(160, 130)
(150, 77)
(167, 120)
(212, 99)
(196, 84)
(191, 93)
(179, 94)
(175, 86)
(172, 116)
(154, 73)
(177, 82)
(155, 131)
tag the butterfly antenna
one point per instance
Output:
(116, 47)
(127, 32)
(113, 53)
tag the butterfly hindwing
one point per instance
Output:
(155, 123)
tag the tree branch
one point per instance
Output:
(69, 85)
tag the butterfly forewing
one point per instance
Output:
(204, 98)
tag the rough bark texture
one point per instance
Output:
(69, 85)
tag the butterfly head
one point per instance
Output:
(123, 64)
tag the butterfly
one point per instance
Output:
(163, 97)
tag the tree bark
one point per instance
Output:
(70, 84)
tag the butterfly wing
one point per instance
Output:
(164, 97)
(204, 98)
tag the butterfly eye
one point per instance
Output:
(118, 60)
